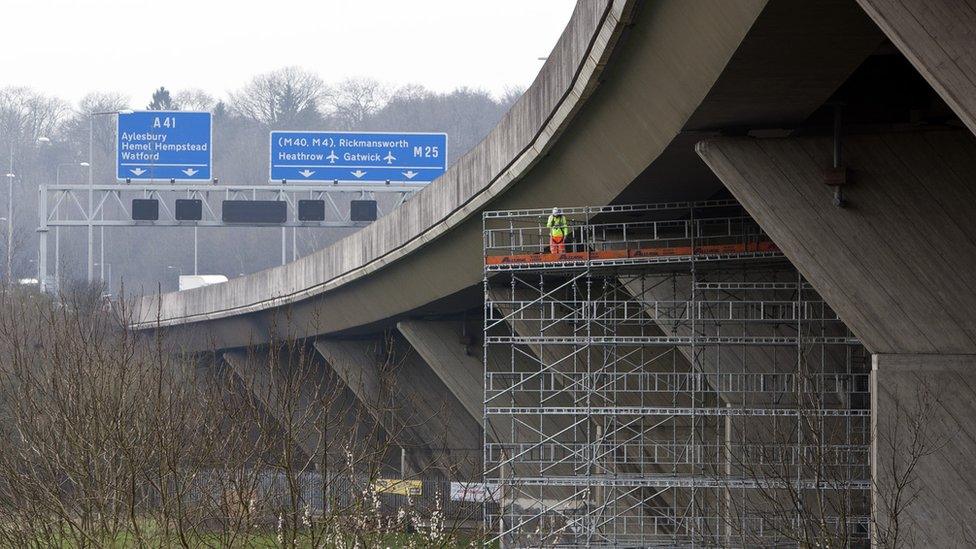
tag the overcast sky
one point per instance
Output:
(71, 47)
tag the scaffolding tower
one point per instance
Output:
(669, 380)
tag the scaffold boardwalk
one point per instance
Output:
(670, 380)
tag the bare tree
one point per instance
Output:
(109, 439)
(466, 115)
(354, 101)
(26, 115)
(510, 96)
(804, 467)
(194, 99)
(280, 98)
(103, 131)
(905, 438)
(101, 102)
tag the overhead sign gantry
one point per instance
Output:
(163, 156)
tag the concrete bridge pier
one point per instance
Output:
(405, 396)
(897, 265)
(308, 402)
(924, 405)
(457, 363)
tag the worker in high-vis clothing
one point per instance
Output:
(558, 230)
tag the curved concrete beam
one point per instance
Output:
(614, 112)
(540, 115)
(349, 361)
(672, 58)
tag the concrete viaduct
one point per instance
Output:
(670, 100)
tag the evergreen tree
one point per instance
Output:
(161, 100)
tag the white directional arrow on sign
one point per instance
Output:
(410, 174)
(389, 157)
(306, 173)
(189, 171)
(138, 171)
(359, 173)
(332, 157)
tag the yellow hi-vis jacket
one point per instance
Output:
(557, 225)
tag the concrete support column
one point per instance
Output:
(265, 374)
(937, 37)
(923, 452)
(458, 365)
(896, 264)
(411, 402)
(298, 391)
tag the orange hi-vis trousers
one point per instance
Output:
(557, 244)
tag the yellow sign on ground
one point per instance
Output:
(398, 486)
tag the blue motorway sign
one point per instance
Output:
(164, 145)
(357, 156)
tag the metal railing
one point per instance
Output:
(680, 229)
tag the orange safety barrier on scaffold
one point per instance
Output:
(750, 247)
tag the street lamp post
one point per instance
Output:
(91, 187)
(10, 205)
(10, 214)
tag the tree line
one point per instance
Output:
(46, 139)
(114, 439)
